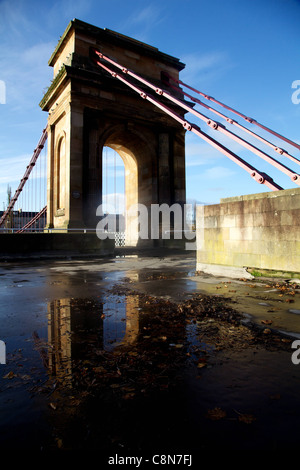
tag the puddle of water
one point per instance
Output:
(78, 337)
(82, 329)
(103, 332)
(259, 301)
(78, 326)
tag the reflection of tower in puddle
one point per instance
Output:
(78, 325)
(59, 338)
(121, 323)
(73, 325)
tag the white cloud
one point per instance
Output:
(111, 173)
(114, 203)
(13, 21)
(148, 15)
(37, 55)
(202, 68)
(13, 169)
(68, 10)
(24, 55)
(199, 153)
(217, 172)
(204, 62)
(142, 22)
(26, 73)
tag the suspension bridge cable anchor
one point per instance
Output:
(230, 121)
(213, 124)
(187, 126)
(249, 119)
(98, 53)
(258, 178)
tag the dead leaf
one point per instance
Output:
(267, 331)
(201, 365)
(10, 375)
(128, 396)
(247, 419)
(25, 377)
(216, 414)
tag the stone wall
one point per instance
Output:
(256, 232)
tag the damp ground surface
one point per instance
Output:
(142, 355)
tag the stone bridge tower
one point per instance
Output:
(88, 109)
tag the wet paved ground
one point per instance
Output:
(141, 355)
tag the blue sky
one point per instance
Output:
(244, 53)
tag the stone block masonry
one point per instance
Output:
(253, 232)
(89, 110)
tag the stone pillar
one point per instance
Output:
(165, 168)
(50, 176)
(92, 175)
(74, 215)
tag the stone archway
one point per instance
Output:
(131, 190)
(93, 110)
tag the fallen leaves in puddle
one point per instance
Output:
(10, 375)
(170, 338)
(154, 361)
(216, 414)
(161, 350)
(245, 418)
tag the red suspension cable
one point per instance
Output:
(33, 220)
(259, 177)
(214, 125)
(250, 120)
(237, 124)
(29, 168)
